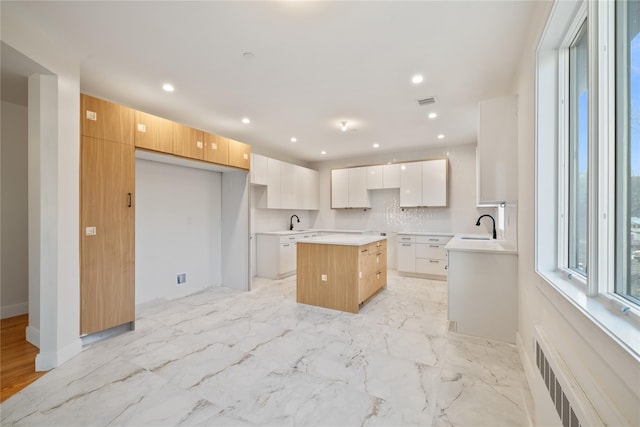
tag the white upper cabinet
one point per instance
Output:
(288, 186)
(258, 169)
(340, 188)
(424, 183)
(273, 183)
(374, 177)
(358, 194)
(383, 176)
(391, 176)
(496, 156)
(434, 183)
(349, 188)
(411, 184)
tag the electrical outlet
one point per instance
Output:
(182, 278)
(323, 277)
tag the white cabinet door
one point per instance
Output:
(411, 184)
(287, 186)
(374, 177)
(259, 169)
(496, 156)
(391, 176)
(286, 263)
(339, 188)
(273, 183)
(310, 193)
(434, 182)
(406, 257)
(358, 194)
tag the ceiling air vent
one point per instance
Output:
(427, 101)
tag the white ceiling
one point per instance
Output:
(314, 64)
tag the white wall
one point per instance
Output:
(14, 282)
(386, 215)
(607, 373)
(58, 235)
(178, 230)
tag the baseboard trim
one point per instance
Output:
(529, 373)
(33, 336)
(45, 361)
(14, 310)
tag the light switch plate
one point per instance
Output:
(92, 115)
(90, 231)
(142, 127)
(323, 277)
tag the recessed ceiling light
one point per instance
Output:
(323, 152)
(167, 87)
(246, 120)
(432, 115)
(294, 139)
(417, 79)
(441, 136)
(343, 125)
(376, 145)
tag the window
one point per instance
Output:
(578, 154)
(588, 162)
(628, 150)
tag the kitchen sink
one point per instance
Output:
(475, 238)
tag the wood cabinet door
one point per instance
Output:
(239, 154)
(216, 149)
(188, 142)
(152, 132)
(106, 120)
(107, 221)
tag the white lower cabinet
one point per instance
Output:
(406, 254)
(276, 253)
(423, 255)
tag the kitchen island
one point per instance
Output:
(340, 271)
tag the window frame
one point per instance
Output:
(594, 295)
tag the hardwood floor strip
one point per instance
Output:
(17, 357)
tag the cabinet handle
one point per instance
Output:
(433, 261)
(406, 238)
(128, 200)
(286, 244)
(364, 250)
(292, 238)
(434, 246)
(406, 244)
(433, 240)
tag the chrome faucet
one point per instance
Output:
(494, 224)
(291, 221)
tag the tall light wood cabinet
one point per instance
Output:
(107, 246)
(153, 132)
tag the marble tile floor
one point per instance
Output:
(229, 358)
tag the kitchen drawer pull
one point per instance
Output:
(406, 238)
(434, 246)
(434, 261)
(129, 200)
(406, 244)
(286, 244)
(434, 240)
(364, 250)
(292, 238)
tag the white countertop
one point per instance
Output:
(472, 243)
(345, 239)
(424, 233)
(311, 230)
